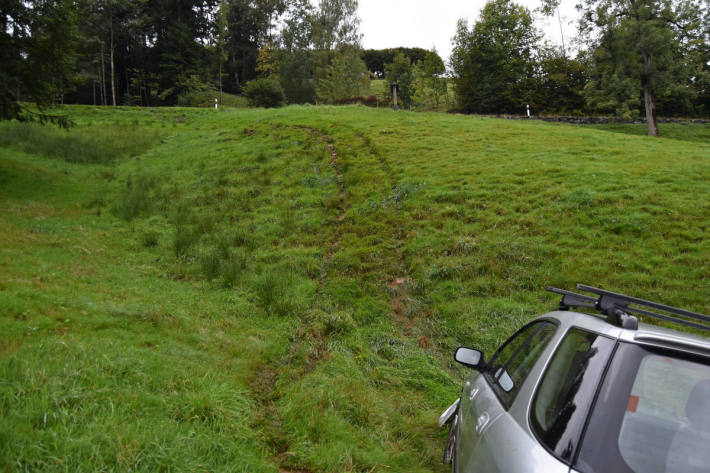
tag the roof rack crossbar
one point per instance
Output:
(643, 302)
(616, 307)
(668, 318)
(570, 293)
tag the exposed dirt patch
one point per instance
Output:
(398, 282)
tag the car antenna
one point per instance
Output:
(617, 308)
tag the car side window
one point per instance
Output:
(511, 364)
(567, 390)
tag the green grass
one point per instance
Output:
(251, 290)
(676, 131)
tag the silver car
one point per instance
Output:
(573, 392)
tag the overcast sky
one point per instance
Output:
(432, 23)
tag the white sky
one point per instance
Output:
(428, 23)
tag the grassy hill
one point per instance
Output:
(281, 291)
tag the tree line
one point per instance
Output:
(638, 57)
(161, 52)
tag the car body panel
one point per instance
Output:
(490, 438)
(479, 446)
(490, 426)
(525, 454)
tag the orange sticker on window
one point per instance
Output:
(633, 404)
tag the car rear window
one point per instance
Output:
(653, 415)
(663, 418)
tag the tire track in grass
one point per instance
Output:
(320, 136)
(397, 288)
(372, 149)
(307, 343)
(265, 387)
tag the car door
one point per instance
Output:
(487, 434)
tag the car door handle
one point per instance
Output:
(474, 393)
(482, 422)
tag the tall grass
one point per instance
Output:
(95, 145)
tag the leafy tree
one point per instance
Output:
(313, 48)
(145, 52)
(376, 59)
(346, 77)
(429, 89)
(639, 48)
(37, 44)
(492, 63)
(335, 24)
(297, 75)
(296, 60)
(249, 24)
(267, 65)
(559, 83)
(400, 71)
(297, 31)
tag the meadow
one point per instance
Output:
(282, 290)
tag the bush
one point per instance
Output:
(264, 93)
(197, 98)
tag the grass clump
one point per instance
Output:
(150, 238)
(276, 292)
(135, 198)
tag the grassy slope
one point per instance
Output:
(281, 290)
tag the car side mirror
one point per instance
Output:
(470, 357)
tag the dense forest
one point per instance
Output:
(634, 58)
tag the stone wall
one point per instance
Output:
(598, 120)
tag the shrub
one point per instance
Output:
(197, 98)
(264, 93)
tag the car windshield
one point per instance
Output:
(653, 415)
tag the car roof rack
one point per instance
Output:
(617, 308)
